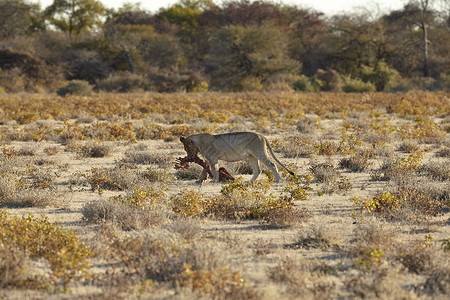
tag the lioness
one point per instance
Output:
(231, 147)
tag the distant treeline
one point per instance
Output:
(239, 45)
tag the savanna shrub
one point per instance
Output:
(380, 75)
(303, 83)
(188, 203)
(405, 202)
(94, 150)
(12, 80)
(139, 209)
(444, 82)
(13, 264)
(399, 169)
(75, 87)
(239, 201)
(324, 172)
(356, 162)
(162, 256)
(61, 248)
(331, 80)
(154, 174)
(142, 198)
(353, 85)
(123, 83)
(251, 83)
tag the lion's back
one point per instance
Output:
(242, 142)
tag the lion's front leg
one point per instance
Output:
(215, 172)
(202, 176)
(214, 169)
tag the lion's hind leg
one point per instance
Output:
(272, 168)
(256, 168)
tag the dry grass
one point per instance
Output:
(317, 237)
(437, 170)
(366, 215)
(94, 150)
(324, 172)
(147, 157)
(295, 147)
(302, 279)
(356, 163)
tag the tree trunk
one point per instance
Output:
(425, 49)
(424, 4)
(130, 63)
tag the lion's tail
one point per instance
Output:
(275, 158)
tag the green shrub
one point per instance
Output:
(251, 83)
(327, 148)
(424, 83)
(353, 85)
(154, 174)
(330, 80)
(197, 87)
(13, 264)
(303, 84)
(405, 202)
(119, 178)
(380, 75)
(138, 209)
(143, 198)
(444, 82)
(61, 248)
(297, 191)
(26, 118)
(394, 168)
(123, 83)
(75, 87)
(188, 203)
(369, 257)
(250, 201)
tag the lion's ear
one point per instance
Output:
(182, 139)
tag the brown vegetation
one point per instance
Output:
(365, 216)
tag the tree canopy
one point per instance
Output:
(197, 45)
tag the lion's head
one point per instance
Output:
(191, 149)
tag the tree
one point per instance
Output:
(350, 43)
(75, 16)
(185, 15)
(244, 12)
(247, 57)
(310, 31)
(17, 17)
(128, 38)
(162, 51)
(424, 8)
(415, 25)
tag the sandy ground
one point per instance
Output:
(260, 247)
